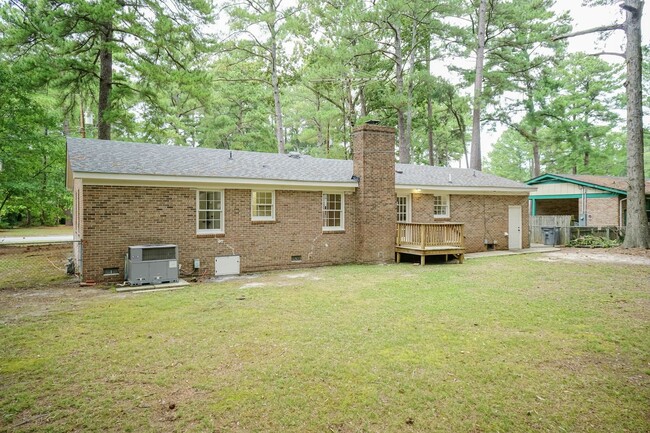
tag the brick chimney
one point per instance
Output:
(374, 164)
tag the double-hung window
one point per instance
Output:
(333, 212)
(263, 206)
(441, 206)
(403, 208)
(209, 212)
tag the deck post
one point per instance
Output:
(462, 237)
(423, 239)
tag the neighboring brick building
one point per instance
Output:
(275, 211)
(591, 201)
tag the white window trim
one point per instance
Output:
(334, 228)
(221, 220)
(447, 199)
(408, 207)
(262, 218)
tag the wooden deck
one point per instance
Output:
(430, 240)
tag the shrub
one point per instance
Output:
(590, 241)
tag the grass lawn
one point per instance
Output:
(36, 231)
(508, 344)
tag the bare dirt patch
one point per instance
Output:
(299, 275)
(620, 256)
(17, 304)
(252, 285)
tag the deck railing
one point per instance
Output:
(423, 236)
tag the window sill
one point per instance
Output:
(263, 221)
(441, 218)
(210, 235)
(333, 232)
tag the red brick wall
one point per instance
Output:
(566, 206)
(374, 164)
(484, 216)
(118, 216)
(602, 211)
(115, 217)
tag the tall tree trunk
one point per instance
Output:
(43, 189)
(411, 83)
(475, 158)
(347, 134)
(363, 107)
(465, 152)
(82, 120)
(537, 169)
(279, 129)
(327, 140)
(105, 84)
(430, 127)
(429, 105)
(636, 230)
(320, 140)
(587, 153)
(349, 120)
(536, 163)
(404, 150)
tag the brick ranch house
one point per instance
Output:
(275, 211)
(593, 201)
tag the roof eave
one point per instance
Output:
(465, 189)
(91, 178)
(575, 182)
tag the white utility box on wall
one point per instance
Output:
(226, 265)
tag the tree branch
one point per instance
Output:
(607, 53)
(592, 30)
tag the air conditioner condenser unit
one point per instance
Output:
(151, 264)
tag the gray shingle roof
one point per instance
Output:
(426, 175)
(116, 157)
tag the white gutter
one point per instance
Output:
(199, 181)
(460, 189)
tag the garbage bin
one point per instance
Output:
(551, 235)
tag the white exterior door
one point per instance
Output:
(514, 227)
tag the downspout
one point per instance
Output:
(585, 217)
(533, 207)
(620, 212)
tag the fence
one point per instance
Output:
(537, 222)
(33, 265)
(608, 232)
(567, 231)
